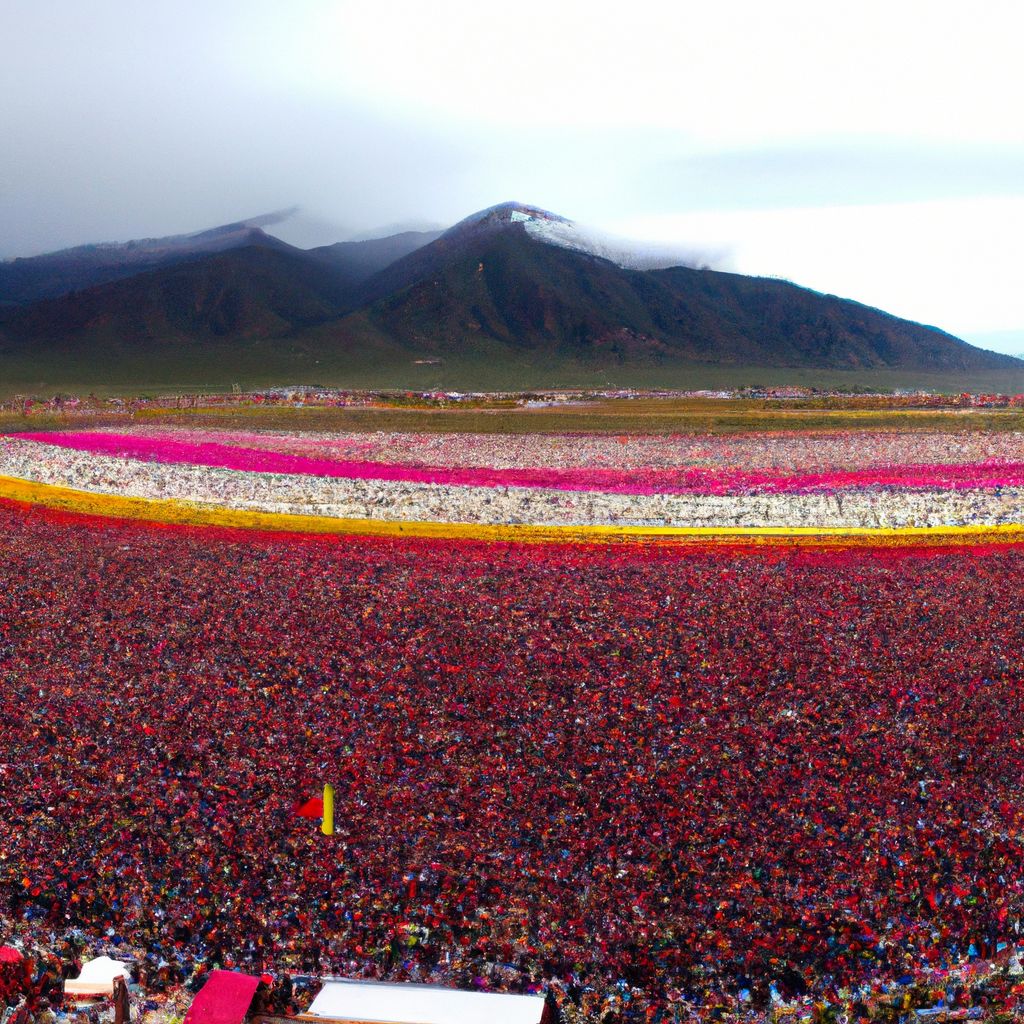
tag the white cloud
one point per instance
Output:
(739, 71)
(140, 119)
(955, 264)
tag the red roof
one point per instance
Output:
(224, 999)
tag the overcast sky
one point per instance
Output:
(874, 150)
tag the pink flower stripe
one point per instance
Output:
(682, 480)
(771, 452)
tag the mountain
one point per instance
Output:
(544, 226)
(256, 291)
(30, 279)
(234, 281)
(358, 261)
(531, 280)
(510, 286)
(511, 219)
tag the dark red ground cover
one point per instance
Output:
(692, 770)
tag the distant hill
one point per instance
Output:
(256, 291)
(34, 278)
(358, 261)
(51, 275)
(511, 287)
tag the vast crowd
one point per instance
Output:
(646, 779)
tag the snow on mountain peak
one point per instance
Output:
(497, 217)
(553, 229)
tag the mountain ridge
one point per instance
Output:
(513, 280)
(28, 279)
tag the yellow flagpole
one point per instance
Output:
(328, 826)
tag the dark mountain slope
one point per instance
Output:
(508, 286)
(512, 289)
(466, 237)
(252, 292)
(357, 261)
(772, 322)
(34, 278)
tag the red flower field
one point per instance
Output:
(694, 770)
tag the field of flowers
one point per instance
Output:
(807, 483)
(647, 777)
(669, 780)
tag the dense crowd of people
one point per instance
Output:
(652, 781)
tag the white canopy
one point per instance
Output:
(97, 977)
(371, 1002)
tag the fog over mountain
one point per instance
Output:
(508, 290)
(874, 152)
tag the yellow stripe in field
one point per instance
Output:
(186, 513)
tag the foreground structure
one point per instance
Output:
(355, 1002)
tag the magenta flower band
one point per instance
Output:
(640, 481)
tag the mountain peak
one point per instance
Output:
(542, 226)
(496, 218)
(553, 229)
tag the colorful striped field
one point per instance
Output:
(834, 491)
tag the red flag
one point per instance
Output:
(313, 808)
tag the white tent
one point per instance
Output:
(97, 978)
(370, 1002)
